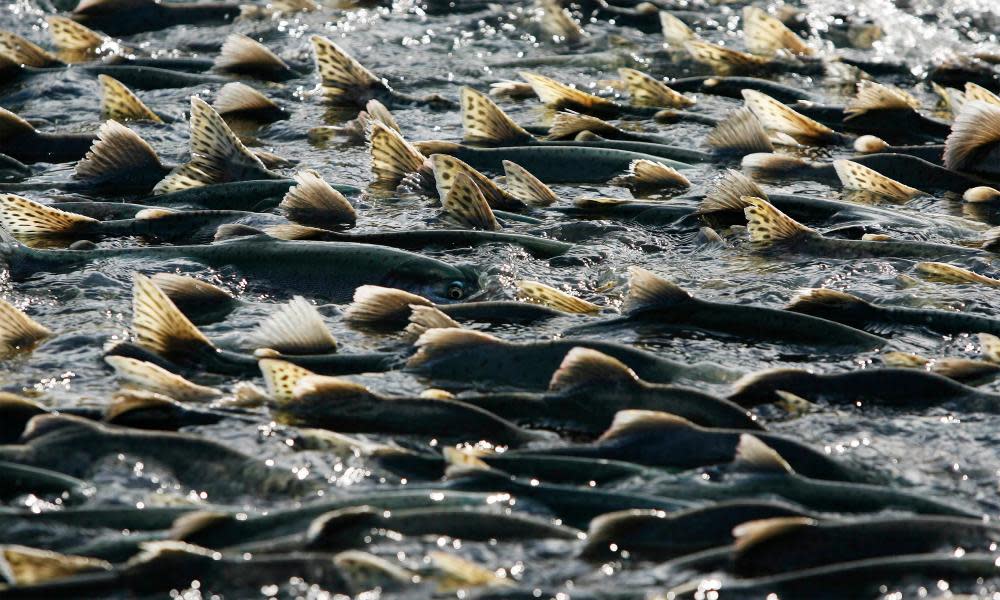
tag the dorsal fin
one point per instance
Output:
(649, 91)
(236, 97)
(119, 103)
(217, 155)
(768, 226)
(766, 35)
(281, 377)
(741, 131)
(584, 368)
(629, 422)
(515, 90)
(197, 522)
(130, 401)
(18, 331)
(483, 122)
(527, 188)
(455, 573)
(362, 569)
(235, 231)
(981, 194)
(24, 566)
(728, 192)
(292, 231)
(646, 291)
(754, 455)
(723, 61)
(568, 124)
(873, 96)
(25, 52)
(646, 176)
(771, 163)
(752, 533)
(242, 54)
(533, 291)
(776, 116)
(343, 78)
(675, 32)
(184, 290)
(160, 326)
(807, 301)
(990, 346)
(13, 126)
(393, 158)
(854, 176)
(975, 92)
(142, 375)
(870, 144)
(952, 274)
(454, 457)
(446, 170)
(559, 95)
(116, 151)
(312, 201)
(22, 216)
(973, 142)
(558, 22)
(67, 34)
(438, 342)
(425, 318)
(296, 328)
(465, 203)
(329, 389)
(381, 305)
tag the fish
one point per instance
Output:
(162, 566)
(20, 480)
(137, 16)
(766, 473)
(764, 547)
(386, 308)
(656, 303)
(849, 309)
(19, 333)
(461, 355)
(72, 445)
(304, 398)
(357, 526)
(878, 387)
(657, 535)
(590, 387)
(346, 82)
(870, 144)
(771, 230)
(662, 440)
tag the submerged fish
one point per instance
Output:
(654, 302)
(117, 18)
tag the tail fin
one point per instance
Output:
(646, 176)
(377, 305)
(740, 132)
(27, 217)
(393, 158)
(70, 35)
(311, 201)
(116, 152)
(18, 332)
(766, 35)
(527, 188)
(539, 293)
(160, 326)
(649, 91)
(874, 96)
(768, 226)
(239, 97)
(13, 127)
(559, 95)
(344, 79)
(425, 318)
(972, 144)
(723, 61)
(728, 193)
(446, 171)
(119, 103)
(281, 378)
(854, 176)
(776, 116)
(24, 566)
(142, 375)
(568, 124)
(484, 122)
(25, 52)
(296, 328)
(675, 31)
(242, 54)
(466, 204)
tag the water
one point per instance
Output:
(940, 453)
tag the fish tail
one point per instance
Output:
(18, 331)
(423, 318)
(466, 204)
(728, 193)
(281, 377)
(646, 175)
(242, 54)
(159, 326)
(121, 104)
(117, 151)
(296, 328)
(484, 122)
(21, 216)
(142, 375)
(376, 305)
(740, 132)
(857, 177)
(311, 201)
(527, 188)
(539, 293)
(649, 91)
(393, 158)
(343, 78)
(768, 226)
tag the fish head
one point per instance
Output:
(445, 285)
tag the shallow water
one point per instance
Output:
(940, 453)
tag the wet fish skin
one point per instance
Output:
(39, 146)
(820, 543)
(681, 157)
(882, 387)
(18, 480)
(733, 86)
(654, 535)
(152, 16)
(818, 245)
(72, 445)
(902, 126)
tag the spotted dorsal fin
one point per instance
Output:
(724, 61)
(217, 155)
(873, 96)
(569, 124)
(312, 201)
(527, 188)
(539, 293)
(675, 32)
(120, 104)
(767, 225)
(19, 332)
(559, 95)
(22, 216)
(67, 34)
(766, 35)
(446, 170)
(728, 192)
(281, 377)
(483, 122)
(376, 305)
(393, 158)
(855, 176)
(296, 328)
(558, 22)
(160, 326)
(25, 52)
(343, 78)
(649, 91)
(242, 54)
(741, 132)
(775, 116)
(584, 368)
(465, 203)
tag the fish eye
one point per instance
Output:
(456, 290)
